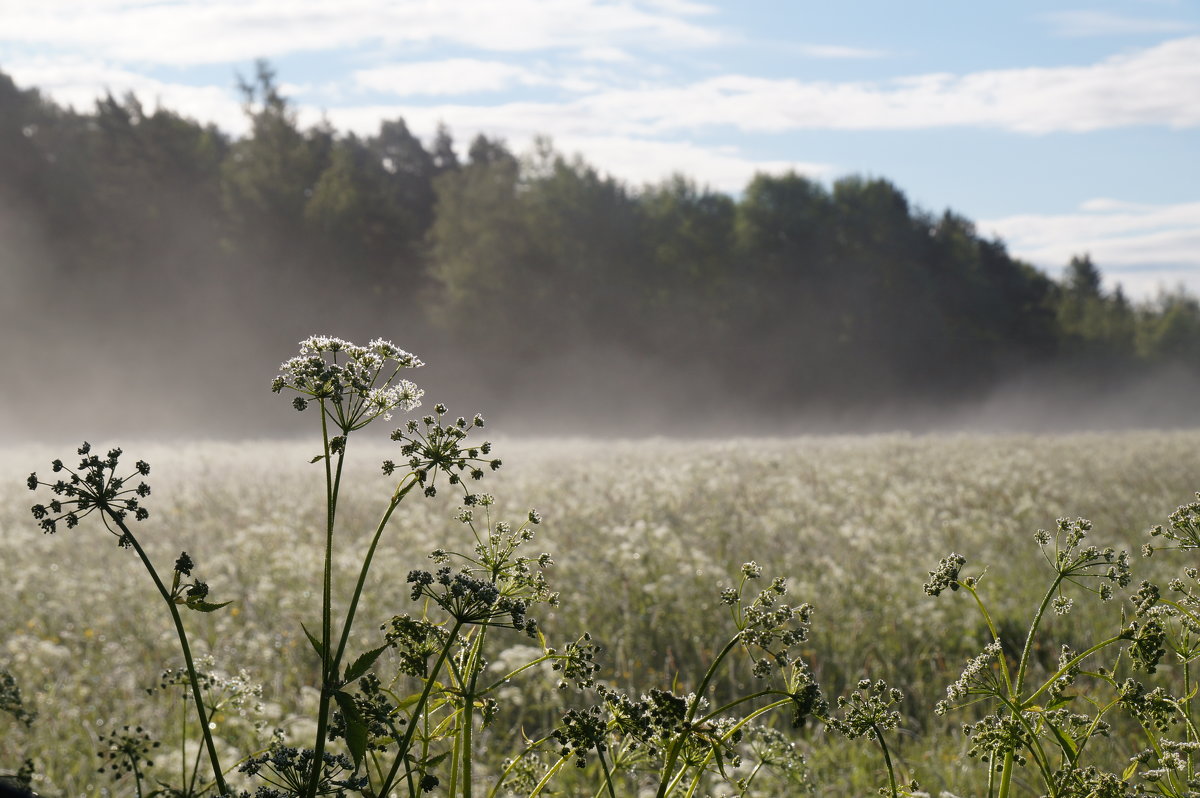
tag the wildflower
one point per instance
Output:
(435, 446)
(354, 384)
(945, 575)
(868, 710)
(93, 485)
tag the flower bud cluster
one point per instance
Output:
(945, 575)
(868, 710)
(437, 446)
(975, 677)
(469, 600)
(93, 485)
(414, 641)
(291, 768)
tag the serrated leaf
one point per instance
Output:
(317, 459)
(356, 729)
(316, 644)
(361, 665)
(1129, 771)
(435, 761)
(204, 606)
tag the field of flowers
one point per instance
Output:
(644, 536)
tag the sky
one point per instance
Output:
(1062, 128)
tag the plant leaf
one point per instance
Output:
(362, 664)
(1066, 743)
(356, 729)
(316, 644)
(435, 761)
(203, 606)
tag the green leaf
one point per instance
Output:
(435, 761)
(1066, 743)
(356, 729)
(317, 459)
(203, 606)
(1129, 771)
(1062, 700)
(716, 749)
(316, 644)
(362, 664)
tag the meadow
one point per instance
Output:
(644, 535)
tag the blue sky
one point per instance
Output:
(1061, 127)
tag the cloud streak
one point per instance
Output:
(1143, 247)
(224, 31)
(1154, 86)
(1081, 24)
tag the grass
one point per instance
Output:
(643, 533)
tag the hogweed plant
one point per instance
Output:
(413, 729)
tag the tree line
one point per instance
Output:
(792, 295)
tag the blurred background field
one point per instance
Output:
(644, 534)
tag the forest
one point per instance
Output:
(144, 231)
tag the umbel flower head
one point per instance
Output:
(93, 485)
(353, 384)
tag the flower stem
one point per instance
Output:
(418, 709)
(328, 673)
(187, 650)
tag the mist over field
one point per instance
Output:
(157, 271)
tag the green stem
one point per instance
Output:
(183, 779)
(137, 776)
(328, 674)
(728, 732)
(887, 759)
(509, 676)
(1033, 627)
(734, 703)
(1015, 690)
(402, 490)
(1006, 774)
(529, 749)
(1070, 664)
(187, 651)
(995, 633)
(607, 776)
(468, 725)
(1187, 705)
(418, 709)
(677, 745)
(541, 785)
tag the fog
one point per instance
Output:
(156, 272)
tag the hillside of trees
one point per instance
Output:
(146, 255)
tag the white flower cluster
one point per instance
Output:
(970, 676)
(360, 382)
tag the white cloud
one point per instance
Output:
(610, 55)
(630, 158)
(641, 161)
(1104, 23)
(1156, 86)
(79, 83)
(223, 31)
(451, 76)
(838, 51)
(1141, 246)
